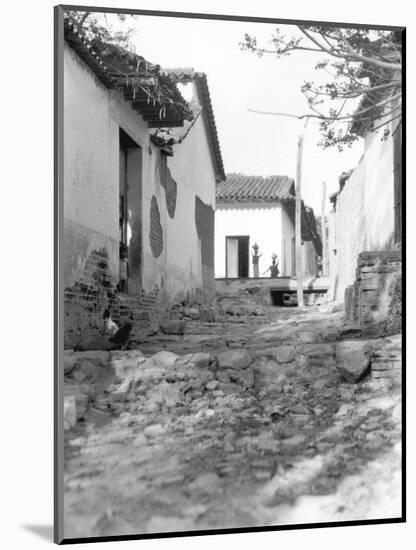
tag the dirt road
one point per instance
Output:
(242, 423)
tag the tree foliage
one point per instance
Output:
(363, 81)
(130, 73)
(96, 27)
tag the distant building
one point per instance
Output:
(139, 184)
(261, 210)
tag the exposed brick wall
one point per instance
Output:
(86, 300)
(205, 225)
(156, 230)
(170, 186)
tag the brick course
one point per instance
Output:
(86, 300)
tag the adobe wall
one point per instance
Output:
(364, 213)
(170, 255)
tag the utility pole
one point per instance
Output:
(298, 204)
(323, 232)
(298, 223)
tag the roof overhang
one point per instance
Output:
(153, 94)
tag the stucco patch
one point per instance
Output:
(170, 186)
(156, 230)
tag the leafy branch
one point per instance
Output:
(363, 65)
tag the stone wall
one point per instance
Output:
(374, 299)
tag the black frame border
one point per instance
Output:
(58, 271)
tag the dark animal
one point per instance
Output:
(101, 342)
(121, 337)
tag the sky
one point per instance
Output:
(238, 80)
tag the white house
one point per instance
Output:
(260, 210)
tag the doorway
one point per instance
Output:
(130, 214)
(237, 256)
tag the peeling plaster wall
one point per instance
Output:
(92, 118)
(364, 215)
(379, 191)
(192, 169)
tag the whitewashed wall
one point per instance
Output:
(364, 215)
(92, 117)
(262, 222)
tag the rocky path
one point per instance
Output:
(258, 420)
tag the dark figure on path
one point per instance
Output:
(121, 337)
(255, 259)
(274, 269)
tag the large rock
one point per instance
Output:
(268, 372)
(97, 356)
(70, 360)
(126, 363)
(191, 312)
(307, 336)
(174, 326)
(70, 415)
(76, 400)
(234, 359)
(97, 343)
(315, 355)
(165, 359)
(207, 315)
(207, 484)
(281, 354)
(353, 359)
(244, 377)
(164, 394)
(201, 360)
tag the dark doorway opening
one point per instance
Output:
(130, 204)
(237, 261)
(282, 298)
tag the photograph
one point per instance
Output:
(228, 274)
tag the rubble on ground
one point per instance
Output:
(232, 423)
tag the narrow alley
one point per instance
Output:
(230, 297)
(261, 416)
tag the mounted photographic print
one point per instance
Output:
(228, 214)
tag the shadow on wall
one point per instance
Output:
(205, 227)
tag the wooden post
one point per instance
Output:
(298, 224)
(323, 232)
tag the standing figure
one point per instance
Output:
(274, 268)
(110, 327)
(255, 259)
